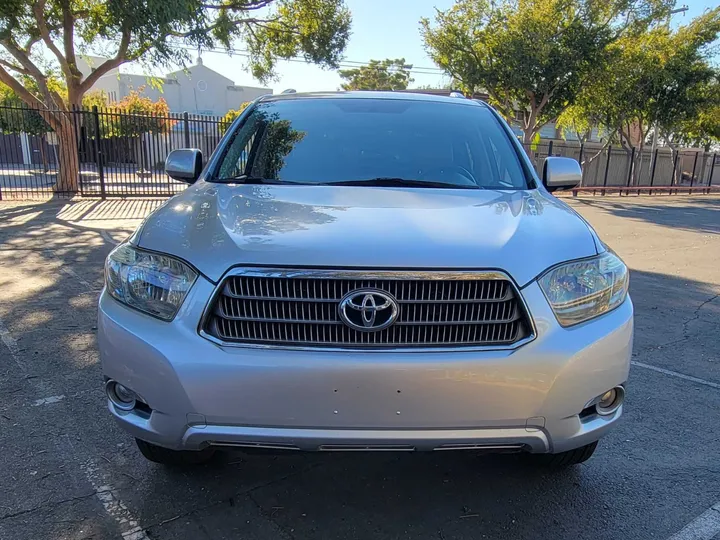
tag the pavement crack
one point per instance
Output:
(269, 516)
(696, 314)
(245, 493)
(46, 503)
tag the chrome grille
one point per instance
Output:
(301, 309)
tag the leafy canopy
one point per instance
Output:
(531, 55)
(378, 75)
(160, 32)
(661, 77)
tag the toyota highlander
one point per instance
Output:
(366, 271)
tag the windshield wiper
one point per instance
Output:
(390, 181)
(248, 179)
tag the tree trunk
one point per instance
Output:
(528, 134)
(69, 167)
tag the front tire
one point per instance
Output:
(569, 458)
(175, 458)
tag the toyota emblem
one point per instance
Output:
(368, 310)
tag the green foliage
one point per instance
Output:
(317, 30)
(661, 77)
(231, 115)
(378, 75)
(139, 115)
(534, 55)
(19, 118)
(157, 32)
(95, 98)
(701, 127)
(132, 116)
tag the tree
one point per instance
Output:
(378, 75)
(702, 128)
(231, 115)
(156, 33)
(532, 56)
(661, 79)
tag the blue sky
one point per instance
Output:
(381, 29)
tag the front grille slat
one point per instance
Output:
(303, 311)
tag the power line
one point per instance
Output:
(347, 64)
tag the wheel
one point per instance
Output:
(177, 458)
(569, 458)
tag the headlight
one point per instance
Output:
(153, 283)
(581, 290)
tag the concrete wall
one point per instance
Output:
(204, 91)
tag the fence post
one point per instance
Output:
(672, 175)
(692, 176)
(550, 148)
(186, 129)
(607, 167)
(630, 169)
(652, 172)
(98, 152)
(712, 171)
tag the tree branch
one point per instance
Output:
(34, 72)
(258, 22)
(38, 10)
(259, 4)
(69, 41)
(102, 69)
(14, 67)
(32, 40)
(29, 98)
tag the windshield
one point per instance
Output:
(381, 141)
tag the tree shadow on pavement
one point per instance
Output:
(701, 214)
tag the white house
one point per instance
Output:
(196, 90)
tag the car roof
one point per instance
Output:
(366, 94)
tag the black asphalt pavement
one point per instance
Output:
(68, 472)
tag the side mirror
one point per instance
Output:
(184, 165)
(561, 172)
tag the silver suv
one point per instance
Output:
(366, 271)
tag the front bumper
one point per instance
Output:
(200, 393)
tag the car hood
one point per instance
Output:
(218, 226)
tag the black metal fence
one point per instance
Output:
(109, 153)
(117, 154)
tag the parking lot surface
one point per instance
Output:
(67, 472)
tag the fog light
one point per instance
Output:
(610, 401)
(122, 397)
(606, 399)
